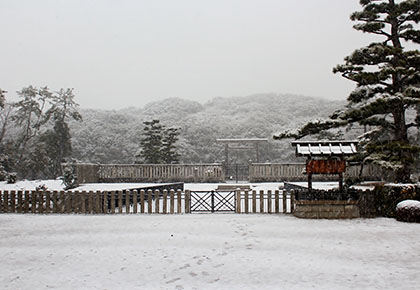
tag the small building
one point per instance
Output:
(325, 157)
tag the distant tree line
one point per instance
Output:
(34, 134)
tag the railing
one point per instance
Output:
(92, 173)
(259, 172)
(139, 201)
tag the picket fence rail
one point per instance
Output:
(135, 202)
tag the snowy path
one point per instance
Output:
(206, 252)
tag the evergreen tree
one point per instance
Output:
(158, 144)
(169, 154)
(58, 140)
(388, 86)
(57, 144)
(39, 151)
(151, 143)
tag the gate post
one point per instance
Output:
(238, 201)
(187, 201)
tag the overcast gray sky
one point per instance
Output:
(117, 54)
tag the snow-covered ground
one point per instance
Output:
(58, 185)
(204, 251)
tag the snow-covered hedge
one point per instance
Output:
(408, 211)
(388, 196)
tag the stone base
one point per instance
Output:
(326, 209)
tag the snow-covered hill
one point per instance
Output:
(113, 136)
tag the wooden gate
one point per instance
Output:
(213, 201)
(237, 172)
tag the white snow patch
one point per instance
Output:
(318, 185)
(50, 184)
(409, 203)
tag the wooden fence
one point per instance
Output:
(265, 201)
(93, 173)
(260, 172)
(135, 202)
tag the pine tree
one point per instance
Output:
(387, 76)
(59, 142)
(151, 142)
(169, 154)
(38, 151)
(158, 144)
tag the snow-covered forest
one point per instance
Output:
(113, 136)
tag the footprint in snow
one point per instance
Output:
(173, 280)
(185, 267)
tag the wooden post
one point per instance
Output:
(33, 201)
(12, 201)
(277, 201)
(26, 202)
(98, 202)
(246, 201)
(172, 202)
(1, 202)
(254, 201)
(292, 201)
(238, 201)
(261, 201)
(165, 201)
(187, 201)
(284, 201)
(310, 182)
(179, 200)
(127, 201)
(40, 201)
(112, 202)
(62, 202)
(340, 182)
(91, 204)
(120, 203)
(142, 201)
(157, 201)
(269, 201)
(74, 201)
(135, 192)
(55, 202)
(6, 201)
(20, 201)
(149, 201)
(83, 202)
(104, 196)
(94, 202)
(48, 202)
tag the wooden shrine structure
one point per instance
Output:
(325, 157)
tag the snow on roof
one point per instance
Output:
(331, 148)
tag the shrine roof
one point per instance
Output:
(325, 148)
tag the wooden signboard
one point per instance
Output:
(325, 166)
